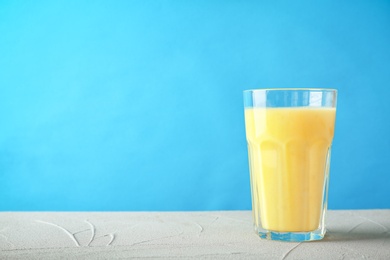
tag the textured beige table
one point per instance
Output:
(167, 235)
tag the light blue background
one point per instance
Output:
(137, 105)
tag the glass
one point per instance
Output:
(289, 134)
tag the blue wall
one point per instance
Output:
(137, 105)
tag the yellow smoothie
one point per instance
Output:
(288, 153)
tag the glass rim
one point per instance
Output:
(289, 89)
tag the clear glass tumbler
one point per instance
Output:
(289, 134)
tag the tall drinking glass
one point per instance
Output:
(289, 134)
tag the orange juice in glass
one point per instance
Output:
(289, 134)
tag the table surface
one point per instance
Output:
(358, 234)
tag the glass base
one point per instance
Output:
(292, 236)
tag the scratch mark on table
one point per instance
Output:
(73, 237)
(81, 231)
(290, 250)
(92, 228)
(67, 232)
(112, 237)
(355, 227)
(200, 227)
(154, 239)
(386, 229)
(214, 220)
